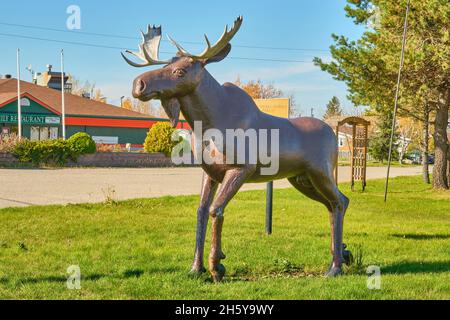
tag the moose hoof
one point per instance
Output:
(348, 257)
(218, 273)
(197, 271)
(334, 272)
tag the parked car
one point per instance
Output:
(416, 157)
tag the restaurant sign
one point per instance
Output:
(29, 118)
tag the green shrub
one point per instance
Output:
(82, 143)
(53, 152)
(24, 150)
(49, 152)
(159, 139)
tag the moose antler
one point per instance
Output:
(148, 49)
(213, 50)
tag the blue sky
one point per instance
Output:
(282, 24)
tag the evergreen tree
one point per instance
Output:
(333, 108)
(379, 144)
(369, 66)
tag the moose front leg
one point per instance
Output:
(209, 188)
(232, 182)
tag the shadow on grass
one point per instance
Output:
(127, 274)
(413, 236)
(417, 267)
(131, 273)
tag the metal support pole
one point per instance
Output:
(336, 172)
(402, 59)
(269, 207)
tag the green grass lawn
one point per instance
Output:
(142, 249)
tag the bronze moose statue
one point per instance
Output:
(308, 149)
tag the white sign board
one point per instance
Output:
(52, 120)
(105, 140)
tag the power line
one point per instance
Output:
(10, 35)
(109, 35)
(122, 48)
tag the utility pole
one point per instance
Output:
(19, 102)
(63, 102)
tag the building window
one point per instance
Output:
(43, 133)
(53, 133)
(6, 130)
(34, 133)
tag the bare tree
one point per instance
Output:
(85, 89)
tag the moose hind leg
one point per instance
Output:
(325, 185)
(303, 184)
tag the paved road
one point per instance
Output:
(63, 186)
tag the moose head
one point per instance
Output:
(180, 75)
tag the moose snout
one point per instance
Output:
(139, 87)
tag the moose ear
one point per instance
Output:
(220, 56)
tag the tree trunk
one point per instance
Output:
(441, 144)
(448, 167)
(426, 145)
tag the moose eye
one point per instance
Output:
(179, 72)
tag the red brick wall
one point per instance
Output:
(123, 159)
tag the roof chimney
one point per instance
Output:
(49, 67)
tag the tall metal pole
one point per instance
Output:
(402, 59)
(63, 102)
(19, 103)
